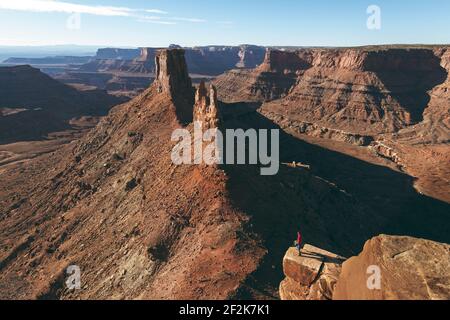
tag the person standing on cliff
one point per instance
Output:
(298, 243)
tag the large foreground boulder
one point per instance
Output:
(311, 275)
(409, 269)
(389, 268)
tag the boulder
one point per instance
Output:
(311, 275)
(409, 269)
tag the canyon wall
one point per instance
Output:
(362, 91)
(271, 80)
(435, 127)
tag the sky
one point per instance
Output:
(139, 23)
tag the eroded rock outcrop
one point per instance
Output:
(206, 107)
(314, 130)
(172, 78)
(389, 268)
(171, 72)
(410, 269)
(311, 275)
(271, 80)
(381, 149)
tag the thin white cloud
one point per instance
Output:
(188, 19)
(156, 20)
(156, 11)
(56, 6)
(67, 7)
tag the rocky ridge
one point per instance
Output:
(162, 217)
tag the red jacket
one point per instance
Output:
(299, 239)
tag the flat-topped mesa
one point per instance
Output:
(206, 107)
(172, 78)
(285, 61)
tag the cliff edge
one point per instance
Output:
(389, 268)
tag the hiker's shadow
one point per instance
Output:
(322, 257)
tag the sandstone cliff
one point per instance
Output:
(362, 91)
(271, 80)
(435, 127)
(358, 90)
(172, 79)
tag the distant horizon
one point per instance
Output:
(222, 45)
(47, 51)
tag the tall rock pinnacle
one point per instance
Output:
(206, 107)
(172, 78)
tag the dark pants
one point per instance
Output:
(299, 248)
